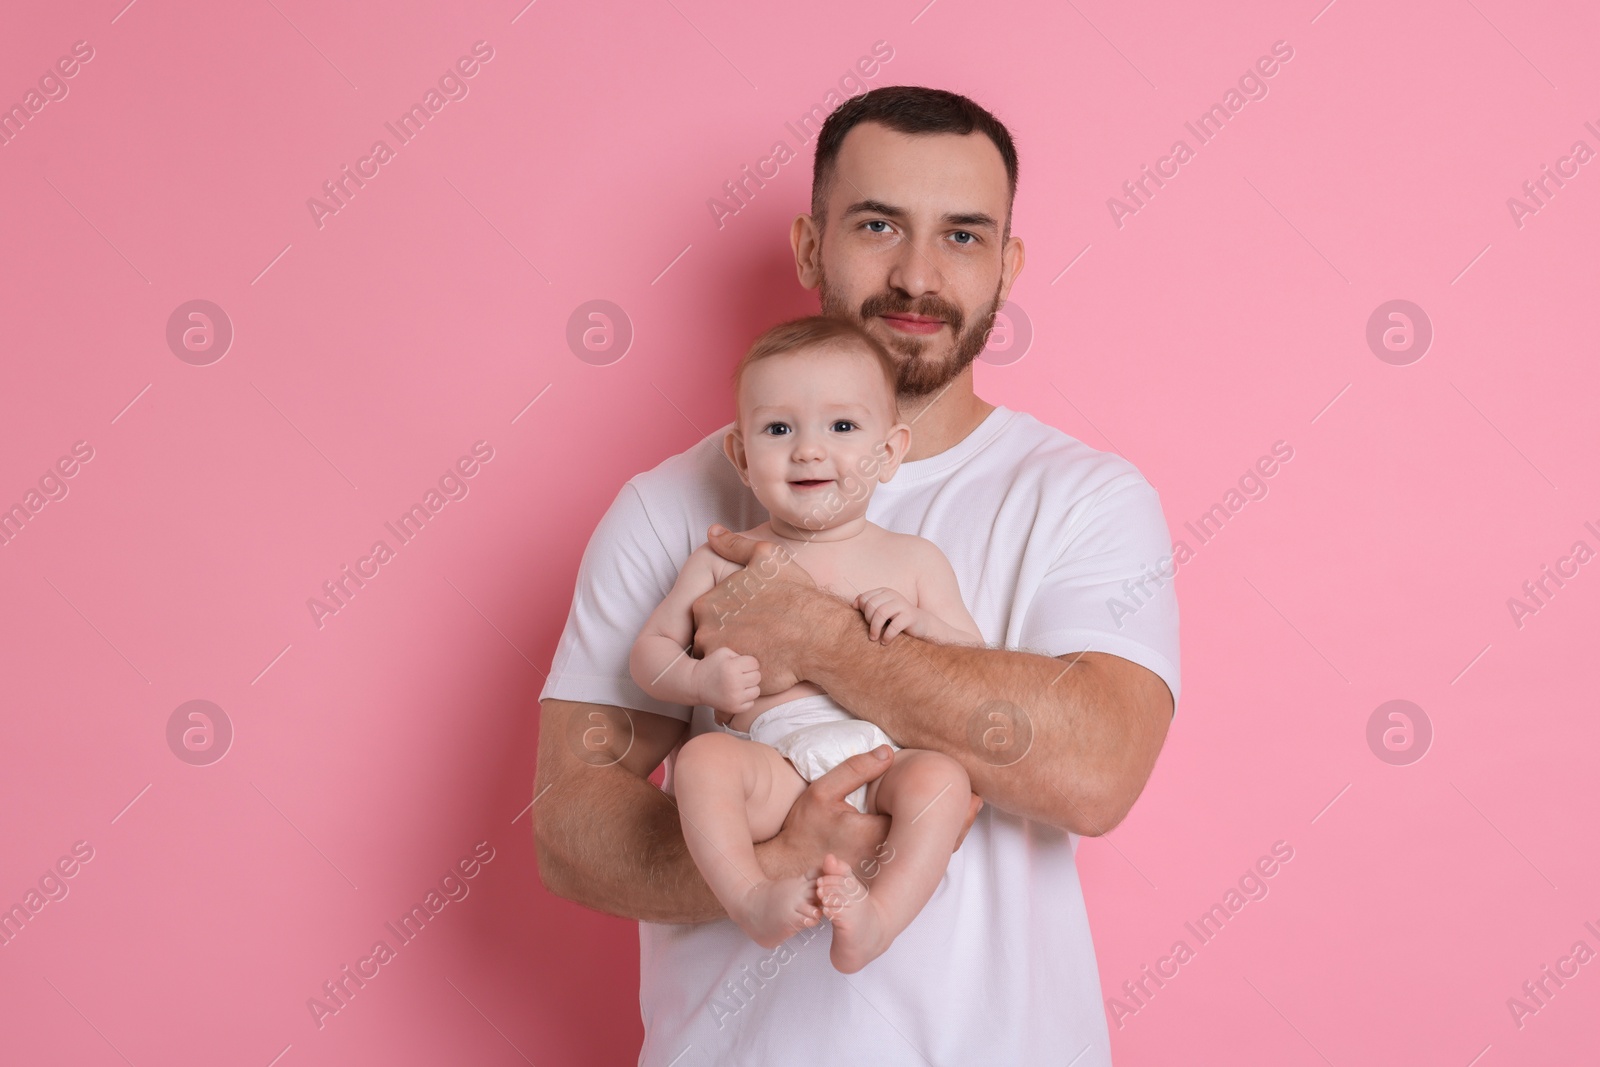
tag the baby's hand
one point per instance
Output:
(888, 614)
(726, 681)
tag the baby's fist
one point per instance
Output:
(727, 681)
(888, 614)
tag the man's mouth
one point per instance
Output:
(917, 324)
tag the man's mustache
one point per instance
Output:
(929, 306)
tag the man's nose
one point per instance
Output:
(913, 271)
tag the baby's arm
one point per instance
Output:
(938, 614)
(661, 664)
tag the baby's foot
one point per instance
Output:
(774, 911)
(860, 933)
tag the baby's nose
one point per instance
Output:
(809, 448)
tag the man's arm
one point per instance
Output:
(1068, 741)
(1084, 730)
(608, 839)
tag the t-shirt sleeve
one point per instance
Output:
(626, 571)
(1111, 588)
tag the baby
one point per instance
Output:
(817, 428)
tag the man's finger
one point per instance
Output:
(733, 547)
(854, 773)
(973, 807)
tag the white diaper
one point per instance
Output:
(816, 735)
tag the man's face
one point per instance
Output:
(816, 431)
(912, 247)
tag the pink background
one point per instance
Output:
(373, 753)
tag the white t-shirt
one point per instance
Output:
(1043, 532)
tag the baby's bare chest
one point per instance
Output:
(848, 569)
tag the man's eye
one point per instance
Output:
(878, 222)
(971, 237)
(843, 426)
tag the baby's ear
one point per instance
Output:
(733, 448)
(892, 450)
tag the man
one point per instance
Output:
(1058, 722)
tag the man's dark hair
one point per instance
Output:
(906, 109)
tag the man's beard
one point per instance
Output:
(920, 376)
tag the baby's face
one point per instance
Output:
(817, 433)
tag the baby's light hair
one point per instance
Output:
(821, 331)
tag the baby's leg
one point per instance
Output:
(732, 792)
(926, 794)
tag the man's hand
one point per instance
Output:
(726, 682)
(823, 821)
(761, 610)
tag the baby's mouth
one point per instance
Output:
(811, 483)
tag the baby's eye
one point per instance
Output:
(776, 429)
(843, 426)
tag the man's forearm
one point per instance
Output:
(1079, 735)
(608, 839)
(617, 847)
(642, 870)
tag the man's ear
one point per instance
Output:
(805, 237)
(733, 448)
(1011, 261)
(896, 443)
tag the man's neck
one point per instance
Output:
(943, 418)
